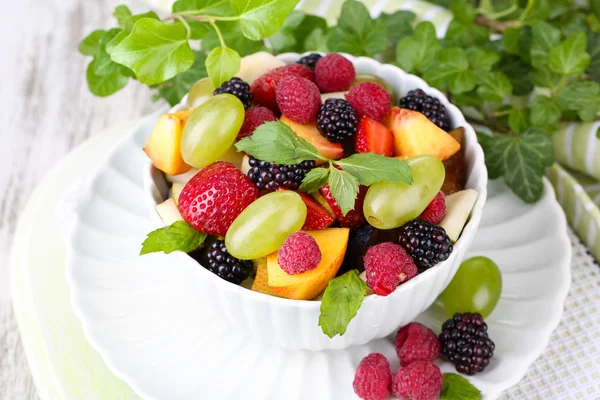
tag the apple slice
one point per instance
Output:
(254, 65)
(260, 283)
(168, 211)
(245, 168)
(176, 191)
(458, 209)
(164, 144)
(311, 134)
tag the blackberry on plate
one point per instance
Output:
(217, 260)
(426, 243)
(465, 343)
(310, 60)
(238, 88)
(429, 106)
(337, 120)
(271, 176)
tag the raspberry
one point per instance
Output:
(255, 117)
(387, 265)
(415, 342)
(436, 210)
(299, 253)
(298, 99)
(310, 60)
(373, 378)
(334, 73)
(419, 381)
(354, 218)
(426, 243)
(368, 98)
(238, 88)
(215, 196)
(263, 88)
(217, 260)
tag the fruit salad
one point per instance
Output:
(291, 180)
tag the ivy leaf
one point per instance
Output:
(104, 85)
(415, 52)
(232, 35)
(180, 236)
(344, 189)
(462, 34)
(451, 71)
(544, 111)
(316, 41)
(122, 13)
(217, 8)
(356, 32)
(129, 24)
(594, 51)
(463, 12)
(536, 10)
(518, 119)
(521, 159)
(545, 37)
(341, 301)
(543, 77)
(369, 168)
(103, 65)
(483, 60)
(570, 57)
(90, 45)
(583, 97)
(177, 87)
(494, 86)
(511, 37)
(398, 24)
(155, 51)
(222, 64)
(518, 72)
(262, 18)
(314, 180)
(296, 29)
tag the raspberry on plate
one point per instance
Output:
(415, 342)
(215, 196)
(334, 73)
(238, 88)
(373, 378)
(263, 88)
(436, 210)
(368, 98)
(299, 253)
(298, 99)
(387, 265)
(354, 218)
(419, 381)
(255, 117)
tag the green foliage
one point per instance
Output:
(457, 387)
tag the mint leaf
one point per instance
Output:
(451, 71)
(155, 51)
(217, 8)
(369, 168)
(483, 60)
(518, 119)
(104, 85)
(356, 32)
(180, 236)
(341, 301)
(398, 24)
(583, 97)
(463, 11)
(544, 111)
(315, 180)
(122, 14)
(521, 159)
(90, 45)
(262, 18)
(278, 143)
(316, 41)
(222, 64)
(232, 35)
(466, 34)
(344, 189)
(543, 77)
(545, 37)
(296, 29)
(177, 87)
(456, 387)
(494, 86)
(570, 57)
(415, 52)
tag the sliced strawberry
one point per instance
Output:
(354, 218)
(317, 217)
(373, 137)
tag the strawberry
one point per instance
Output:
(215, 196)
(263, 89)
(354, 218)
(317, 217)
(373, 137)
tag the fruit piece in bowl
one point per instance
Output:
(334, 177)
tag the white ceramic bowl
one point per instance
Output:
(293, 324)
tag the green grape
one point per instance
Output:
(476, 287)
(264, 225)
(211, 130)
(200, 93)
(389, 205)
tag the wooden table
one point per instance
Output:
(46, 111)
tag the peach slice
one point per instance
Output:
(164, 143)
(311, 134)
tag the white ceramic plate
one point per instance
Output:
(158, 334)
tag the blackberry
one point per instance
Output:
(217, 260)
(337, 120)
(465, 343)
(310, 60)
(238, 88)
(271, 176)
(426, 243)
(429, 106)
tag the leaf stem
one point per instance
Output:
(560, 86)
(198, 13)
(187, 27)
(499, 14)
(219, 34)
(497, 25)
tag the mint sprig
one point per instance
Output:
(456, 387)
(278, 143)
(341, 301)
(179, 236)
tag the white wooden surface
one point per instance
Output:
(45, 110)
